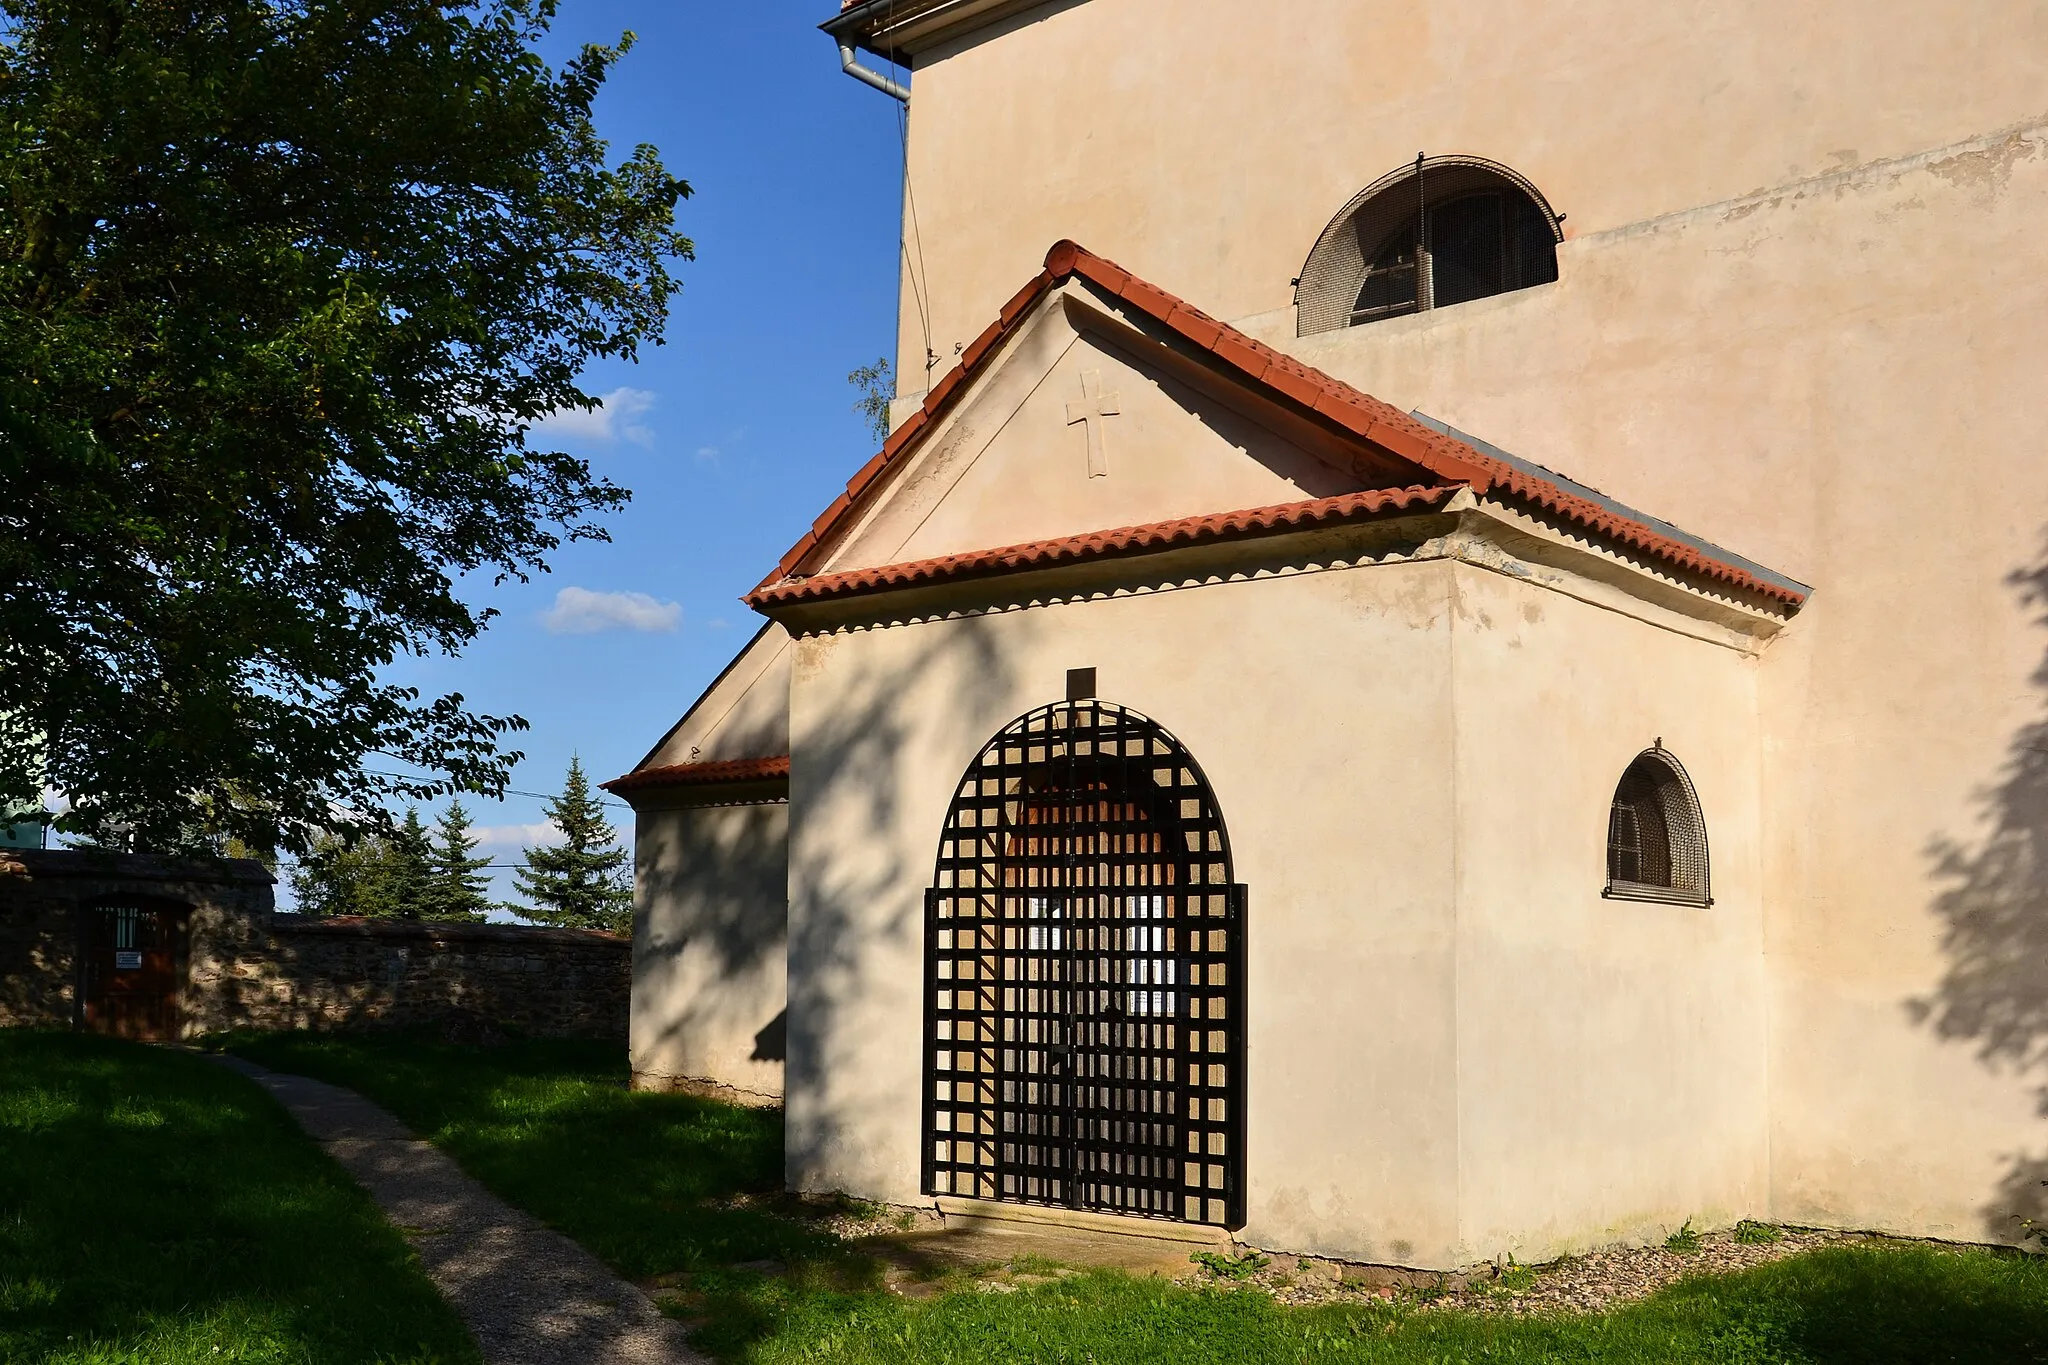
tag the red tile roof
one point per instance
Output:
(1440, 460)
(701, 774)
(1124, 540)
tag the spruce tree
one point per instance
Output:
(407, 889)
(459, 889)
(582, 883)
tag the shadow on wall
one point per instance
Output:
(857, 911)
(771, 1044)
(737, 945)
(1994, 910)
(341, 974)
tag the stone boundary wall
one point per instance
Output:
(248, 967)
(44, 894)
(351, 973)
(38, 961)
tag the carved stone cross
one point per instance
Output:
(1093, 407)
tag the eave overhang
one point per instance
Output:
(901, 30)
(1413, 526)
(1116, 543)
(719, 782)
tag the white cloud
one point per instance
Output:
(708, 453)
(616, 417)
(579, 611)
(516, 836)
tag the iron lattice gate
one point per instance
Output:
(1084, 983)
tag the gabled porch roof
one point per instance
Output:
(1434, 458)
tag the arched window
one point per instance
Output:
(1439, 231)
(1656, 837)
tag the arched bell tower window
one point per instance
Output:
(1656, 836)
(1440, 231)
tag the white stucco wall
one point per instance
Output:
(1612, 1059)
(1324, 708)
(1802, 310)
(710, 892)
(710, 947)
(743, 714)
(1205, 146)
(1830, 408)
(1006, 465)
(885, 721)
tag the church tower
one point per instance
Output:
(1773, 274)
(1457, 668)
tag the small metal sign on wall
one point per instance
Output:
(1084, 977)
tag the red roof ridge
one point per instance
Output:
(697, 774)
(1447, 459)
(1278, 518)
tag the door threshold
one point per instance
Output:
(1041, 1217)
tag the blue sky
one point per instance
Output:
(735, 434)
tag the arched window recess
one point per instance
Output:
(1441, 230)
(1656, 835)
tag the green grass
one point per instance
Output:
(549, 1125)
(640, 1179)
(1861, 1305)
(155, 1207)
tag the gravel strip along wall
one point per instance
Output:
(245, 966)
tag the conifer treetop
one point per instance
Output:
(585, 881)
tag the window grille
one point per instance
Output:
(1440, 231)
(1084, 977)
(1656, 835)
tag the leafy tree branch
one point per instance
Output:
(284, 285)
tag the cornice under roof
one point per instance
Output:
(1150, 538)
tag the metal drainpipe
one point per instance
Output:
(852, 67)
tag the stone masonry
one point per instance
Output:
(246, 966)
(341, 973)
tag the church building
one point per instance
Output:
(1455, 669)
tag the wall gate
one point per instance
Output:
(1084, 978)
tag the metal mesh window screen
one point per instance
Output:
(1656, 835)
(1084, 977)
(134, 928)
(1448, 230)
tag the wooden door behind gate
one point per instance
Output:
(134, 955)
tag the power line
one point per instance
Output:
(481, 867)
(509, 791)
(914, 269)
(920, 281)
(549, 796)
